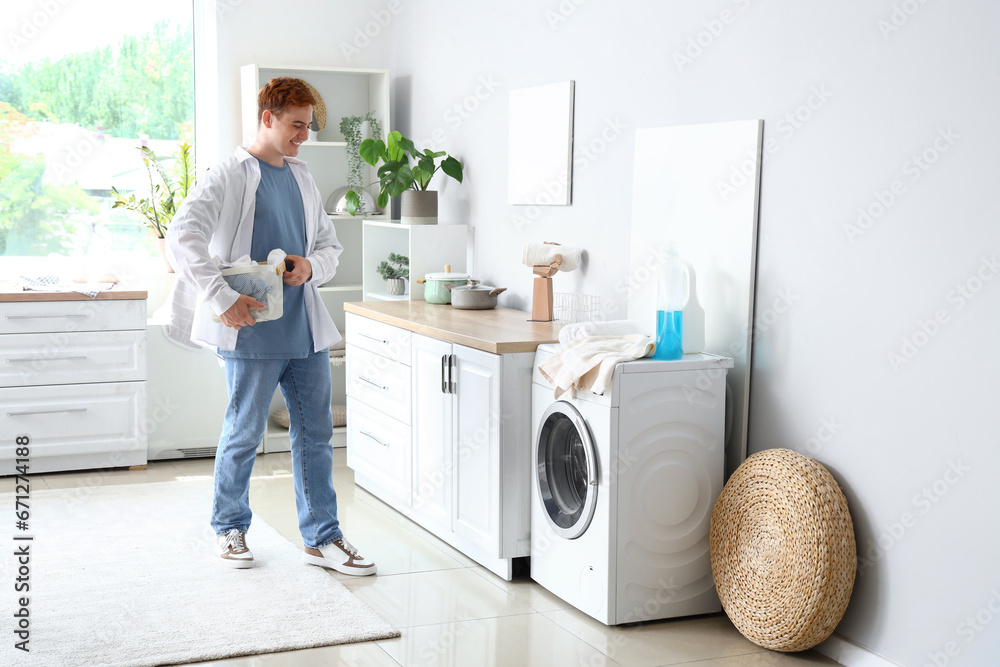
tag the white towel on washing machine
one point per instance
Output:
(587, 364)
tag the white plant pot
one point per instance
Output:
(395, 286)
(419, 207)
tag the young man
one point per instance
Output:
(260, 199)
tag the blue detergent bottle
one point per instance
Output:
(672, 290)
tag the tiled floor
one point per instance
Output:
(450, 610)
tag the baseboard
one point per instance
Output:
(849, 654)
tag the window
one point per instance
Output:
(74, 111)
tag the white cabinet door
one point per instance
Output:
(476, 506)
(432, 430)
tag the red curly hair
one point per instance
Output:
(282, 92)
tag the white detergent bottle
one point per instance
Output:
(672, 290)
(693, 340)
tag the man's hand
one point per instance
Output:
(238, 314)
(299, 275)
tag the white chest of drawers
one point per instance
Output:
(73, 380)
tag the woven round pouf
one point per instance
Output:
(783, 551)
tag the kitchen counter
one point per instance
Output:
(499, 330)
(9, 295)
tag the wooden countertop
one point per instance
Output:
(113, 294)
(500, 330)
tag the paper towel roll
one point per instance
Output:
(543, 254)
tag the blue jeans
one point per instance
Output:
(305, 384)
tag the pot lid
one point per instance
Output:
(473, 286)
(446, 276)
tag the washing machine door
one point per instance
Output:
(566, 470)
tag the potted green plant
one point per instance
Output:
(165, 197)
(394, 271)
(352, 129)
(397, 177)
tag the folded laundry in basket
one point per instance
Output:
(258, 288)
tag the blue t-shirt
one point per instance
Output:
(279, 222)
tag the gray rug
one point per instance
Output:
(127, 576)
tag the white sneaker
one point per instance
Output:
(340, 556)
(232, 549)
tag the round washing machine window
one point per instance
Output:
(566, 465)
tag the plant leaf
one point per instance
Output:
(453, 168)
(352, 201)
(407, 146)
(401, 181)
(392, 150)
(372, 150)
(428, 153)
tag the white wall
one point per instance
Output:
(334, 33)
(822, 379)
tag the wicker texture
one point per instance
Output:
(319, 109)
(783, 550)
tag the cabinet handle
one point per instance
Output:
(377, 340)
(44, 412)
(444, 383)
(39, 317)
(29, 359)
(452, 374)
(384, 444)
(372, 383)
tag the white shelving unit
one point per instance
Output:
(345, 92)
(429, 247)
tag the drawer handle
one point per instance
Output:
(377, 340)
(372, 383)
(384, 444)
(444, 382)
(44, 412)
(38, 317)
(30, 359)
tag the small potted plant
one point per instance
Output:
(397, 177)
(165, 197)
(394, 271)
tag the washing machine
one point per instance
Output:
(624, 486)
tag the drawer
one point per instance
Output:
(72, 420)
(382, 339)
(72, 358)
(381, 383)
(66, 316)
(379, 448)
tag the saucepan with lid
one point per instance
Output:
(474, 296)
(435, 284)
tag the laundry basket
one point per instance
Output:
(262, 282)
(783, 551)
